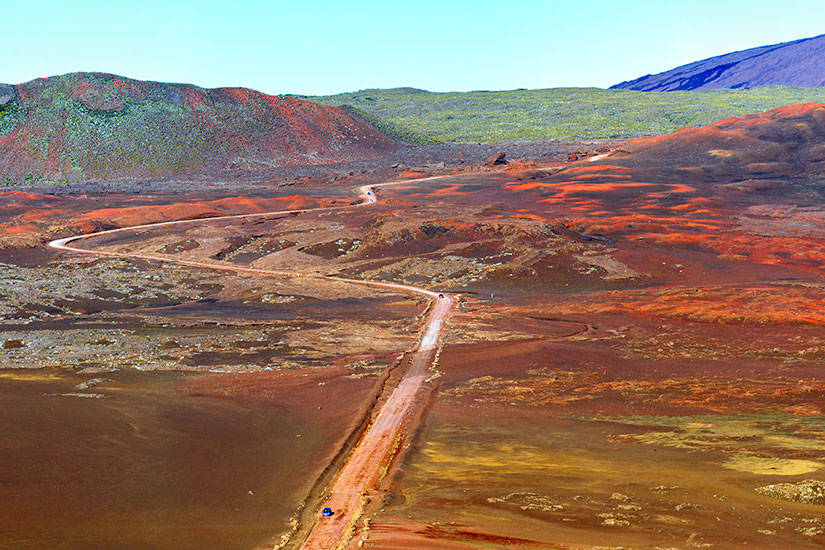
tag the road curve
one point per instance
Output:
(363, 467)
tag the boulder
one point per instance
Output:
(497, 159)
(7, 94)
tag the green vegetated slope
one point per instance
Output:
(98, 126)
(559, 113)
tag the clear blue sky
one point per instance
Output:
(321, 46)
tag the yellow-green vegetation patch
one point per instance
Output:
(759, 444)
(29, 376)
(419, 116)
(464, 461)
(725, 433)
(809, 491)
(455, 458)
(771, 466)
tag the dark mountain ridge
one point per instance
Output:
(797, 63)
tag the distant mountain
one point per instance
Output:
(96, 126)
(797, 63)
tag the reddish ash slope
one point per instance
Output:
(788, 141)
(84, 126)
(747, 188)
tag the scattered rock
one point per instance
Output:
(13, 343)
(809, 491)
(629, 507)
(76, 394)
(90, 383)
(780, 520)
(810, 531)
(529, 501)
(616, 522)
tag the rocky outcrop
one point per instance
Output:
(7, 94)
(497, 159)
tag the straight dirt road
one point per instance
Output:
(364, 466)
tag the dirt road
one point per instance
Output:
(362, 469)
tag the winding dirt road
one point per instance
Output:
(370, 457)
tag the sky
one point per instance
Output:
(325, 47)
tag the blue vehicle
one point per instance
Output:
(326, 512)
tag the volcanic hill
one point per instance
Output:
(96, 126)
(749, 189)
(782, 144)
(797, 63)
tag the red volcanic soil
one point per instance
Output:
(95, 126)
(28, 219)
(746, 189)
(668, 280)
(785, 141)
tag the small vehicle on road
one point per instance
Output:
(327, 512)
(441, 296)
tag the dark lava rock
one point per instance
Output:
(497, 159)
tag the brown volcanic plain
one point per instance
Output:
(637, 354)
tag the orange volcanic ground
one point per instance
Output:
(638, 350)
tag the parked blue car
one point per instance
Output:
(326, 512)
